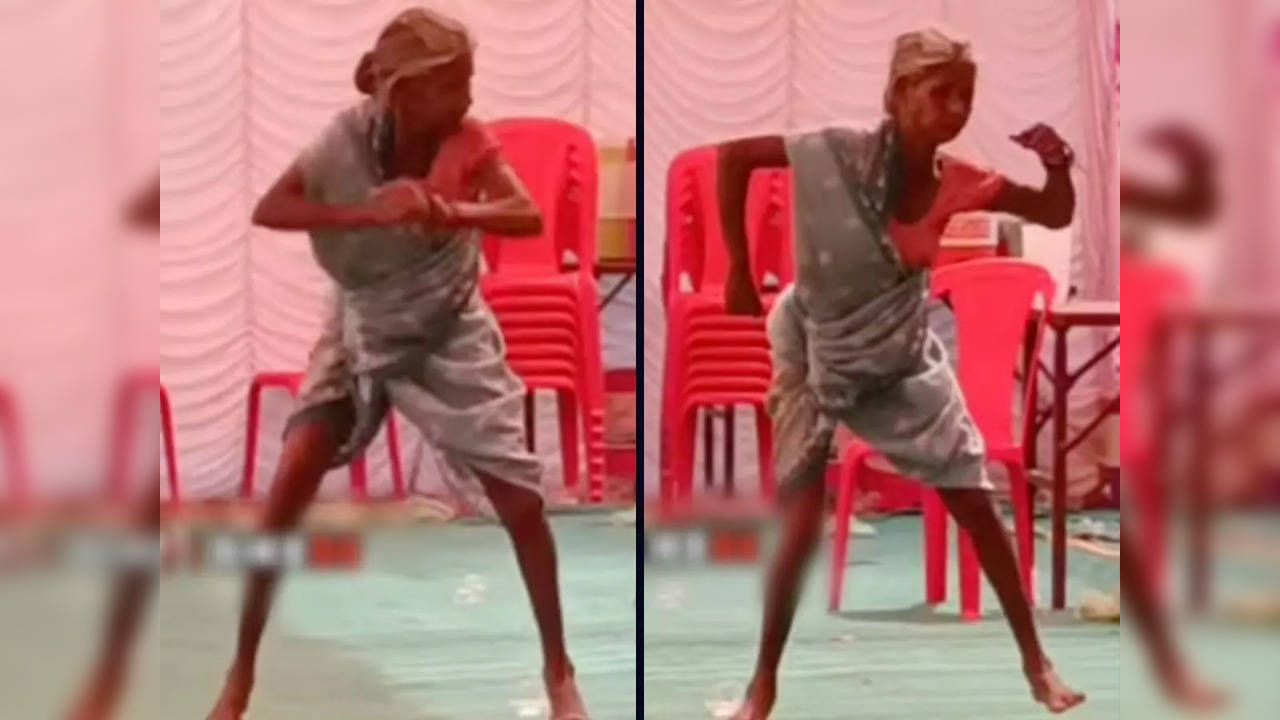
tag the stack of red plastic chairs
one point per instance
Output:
(712, 358)
(543, 289)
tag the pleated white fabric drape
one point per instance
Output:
(716, 70)
(244, 84)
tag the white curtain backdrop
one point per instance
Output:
(716, 70)
(244, 84)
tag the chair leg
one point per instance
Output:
(1024, 532)
(251, 442)
(1151, 503)
(529, 428)
(970, 578)
(708, 448)
(686, 442)
(934, 518)
(764, 451)
(393, 451)
(593, 392)
(566, 405)
(359, 479)
(846, 492)
(668, 427)
(170, 448)
(122, 442)
(728, 450)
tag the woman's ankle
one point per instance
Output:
(557, 669)
(1037, 665)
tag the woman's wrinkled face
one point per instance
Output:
(435, 102)
(933, 105)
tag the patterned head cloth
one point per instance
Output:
(922, 49)
(415, 42)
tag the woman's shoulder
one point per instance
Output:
(474, 132)
(839, 132)
(969, 184)
(337, 140)
(474, 140)
(357, 114)
(961, 169)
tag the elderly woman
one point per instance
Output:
(396, 194)
(851, 339)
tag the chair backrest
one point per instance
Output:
(558, 163)
(683, 252)
(695, 248)
(1147, 289)
(770, 228)
(992, 300)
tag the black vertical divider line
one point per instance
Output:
(640, 363)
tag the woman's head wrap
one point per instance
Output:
(920, 50)
(415, 42)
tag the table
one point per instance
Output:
(626, 267)
(1060, 320)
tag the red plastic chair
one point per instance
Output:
(548, 282)
(292, 382)
(132, 390)
(992, 300)
(1148, 290)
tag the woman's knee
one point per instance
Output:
(515, 505)
(966, 503)
(320, 429)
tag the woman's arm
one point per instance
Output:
(145, 209)
(1195, 199)
(735, 161)
(1053, 205)
(506, 209)
(286, 207)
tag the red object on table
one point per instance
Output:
(292, 382)
(952, 254)
(547, 283)
(992, 300)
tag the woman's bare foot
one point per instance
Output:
(563, 696)
(234, 698)
(758, 703)
(1186, 691)
(1049, 690)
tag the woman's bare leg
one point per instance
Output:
(129, 601)
(522, 514)
(801, 532)
(308, 451)
(1182, 686)
(974, 513)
